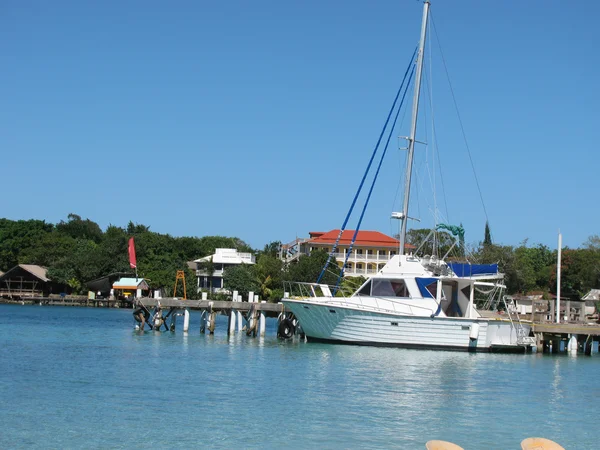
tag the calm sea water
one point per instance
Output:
(82, 378)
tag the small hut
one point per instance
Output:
(29, 280)
(128, 288)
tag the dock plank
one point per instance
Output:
(216, 305)
(567, 328)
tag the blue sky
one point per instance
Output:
(257, 119)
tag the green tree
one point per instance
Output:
(487, 239)
(269, 272)
(136, 228)
(349, 285)
(272, 249)
(18, 237)
(78, 228)
(308, 268)
(240, 278)
(436, 243)
(580, 272)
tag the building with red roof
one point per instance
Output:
(370, 252)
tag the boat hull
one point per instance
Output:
(348, 325)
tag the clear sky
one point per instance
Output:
(256, 119)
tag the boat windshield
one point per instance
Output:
(382, 287)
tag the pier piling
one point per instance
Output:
(186, 320)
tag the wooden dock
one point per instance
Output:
(576, 333)
(198, 305)
(567, 337)
(566, 328)
(244, 316)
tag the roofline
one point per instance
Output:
(357, 244)
(46, 280)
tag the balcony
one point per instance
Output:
(216, 273)
(364, 257)
(365, 272)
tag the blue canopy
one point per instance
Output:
(423, 283)
(469, 270)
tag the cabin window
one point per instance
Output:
(466, 291)
(389, 288)
(432, 289)
(366, 289)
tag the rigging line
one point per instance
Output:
(429, 83)
(337, 241)
(362, 214)
(459, 119)
(401, 163)
(427, 166)
(436, 149)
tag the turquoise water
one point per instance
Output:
(81, 378)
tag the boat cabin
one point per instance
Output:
(450, 295)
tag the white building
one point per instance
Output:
(223, 258)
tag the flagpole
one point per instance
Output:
(558, 262)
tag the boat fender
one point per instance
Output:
(285, 329)
(474, 333)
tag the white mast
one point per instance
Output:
(413, 128)
(558, 278)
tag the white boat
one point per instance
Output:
(413, 302)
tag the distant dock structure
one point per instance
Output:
(252, 312)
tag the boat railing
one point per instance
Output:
(396, 305)
(301, 290)
(297, 289)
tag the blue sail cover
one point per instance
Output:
(423, 283)
(470, 270)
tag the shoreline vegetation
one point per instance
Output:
(77, 250)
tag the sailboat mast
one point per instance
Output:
(413, 128)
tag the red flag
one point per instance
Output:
(132, 261)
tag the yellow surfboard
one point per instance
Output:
(442, 445)
(536, 443)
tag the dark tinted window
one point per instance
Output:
(365, 290)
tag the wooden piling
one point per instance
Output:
(203, 321)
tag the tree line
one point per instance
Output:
(527, 268)
(77, 250)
